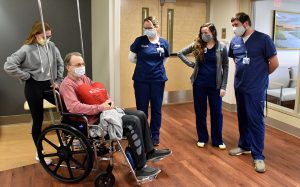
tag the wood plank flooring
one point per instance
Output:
(188, 166)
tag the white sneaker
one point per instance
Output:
(200, 144)
(260, 166)
(222, 146)
(47, 160)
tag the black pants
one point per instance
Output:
(137, 131)
(34, 94)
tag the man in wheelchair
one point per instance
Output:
(135, 124)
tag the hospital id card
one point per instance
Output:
(160, 50)
(246, 60)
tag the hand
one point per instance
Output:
(54, 85)
(107, 105)
(112, 104)
(193, 65)
(222, 92)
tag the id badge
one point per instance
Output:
(246, 60)
(160, 50)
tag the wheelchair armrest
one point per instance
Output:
(67, 114)
(75, 116)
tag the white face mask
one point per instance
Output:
(43, 42)
(239, 31)
(79, 71)
(151, 33)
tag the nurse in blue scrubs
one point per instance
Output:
(255, 56)
(209, 81)
(150, 52)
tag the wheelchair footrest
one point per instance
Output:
(147, 179)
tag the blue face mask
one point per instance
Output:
(151, 33)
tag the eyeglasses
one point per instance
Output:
(78, 65)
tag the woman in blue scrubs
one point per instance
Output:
(255, 56)
(209, 80)
(150, 52)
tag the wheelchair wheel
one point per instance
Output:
(105, 179)
(71, 153)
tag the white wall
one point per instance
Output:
(263, 22)
(106, 45)
(100, 41)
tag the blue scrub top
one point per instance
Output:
(206, 76)
(149, 66)
(252, 77)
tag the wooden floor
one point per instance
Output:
(188, 166)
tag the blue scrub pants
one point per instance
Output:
(250, 110)
(201, 94)
(152, 92)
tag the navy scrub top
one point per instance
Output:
(252, 77)
(206, 76)
(149, 66)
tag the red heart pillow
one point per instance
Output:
(92, 94)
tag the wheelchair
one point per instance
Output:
(75, 153)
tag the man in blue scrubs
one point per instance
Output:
(255, 57)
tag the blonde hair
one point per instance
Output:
(37, 28)
(153, 20)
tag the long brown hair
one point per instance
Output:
(198, 48)
(37, 28)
